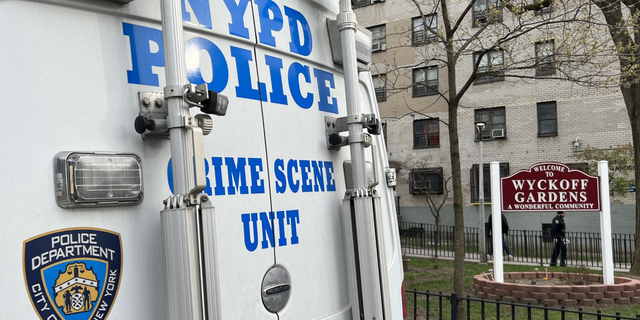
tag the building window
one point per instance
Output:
(425, 81)
(363, 3)
(547, 119)
(490, 66)
(428, 180)
(474, 182)
(486, 11)
(426, 133)
(379, 34)
(545, 58)
(495, 123)
(420, 35)
(380, 86)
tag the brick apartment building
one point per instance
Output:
(528, 120)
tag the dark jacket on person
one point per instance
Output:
(557, 228)
(505, 225)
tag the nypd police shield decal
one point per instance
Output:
(73, 274)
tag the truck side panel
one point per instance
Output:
(75, 69)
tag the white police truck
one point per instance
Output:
(193, 159)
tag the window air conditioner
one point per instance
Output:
(375, 47)
(497, 133)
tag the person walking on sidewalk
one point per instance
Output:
(558, 235)
(505, 231)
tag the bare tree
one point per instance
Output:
(622, 18)
(435, 193)
(499, 40)
(435, 203)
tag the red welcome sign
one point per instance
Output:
(550, 186)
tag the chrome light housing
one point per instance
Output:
(97, 179)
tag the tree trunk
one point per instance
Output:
(454, 151)
(628, 55)
(458, 214)
(631, 95)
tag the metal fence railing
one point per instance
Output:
(426, 239)
(527, 246)
(426, 305)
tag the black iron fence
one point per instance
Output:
(426, 305)
(426, 239)
(527, 246)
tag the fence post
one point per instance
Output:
(477, 241)
(437, 241)
(526, 247)
(454, 306)
(542, 248)
(453, 239)
(625, 251)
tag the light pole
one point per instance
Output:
(483, 256)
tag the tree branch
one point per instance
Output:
(517, 9)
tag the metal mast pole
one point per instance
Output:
(179, 222)
(368, 302)
(176, 77)
(483, 236)
(347, 27)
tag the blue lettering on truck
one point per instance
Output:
(237, 10)
(245, 176)
(192, 50)
(271, 20)
(237, 176)
(142, 55)
(201, 9)
(266, 232)
(145, 56)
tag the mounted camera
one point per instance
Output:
(209, 102)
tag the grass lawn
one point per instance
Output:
(437, 276)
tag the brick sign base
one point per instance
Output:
(624, 291)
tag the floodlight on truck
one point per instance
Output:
(363, 44)
(94, 179)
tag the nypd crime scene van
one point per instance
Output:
(193, 159)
